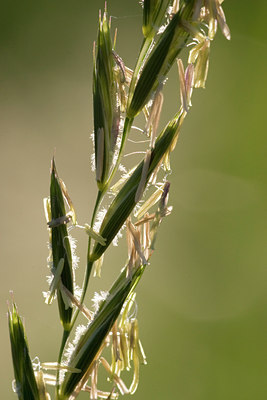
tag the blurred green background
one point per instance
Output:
(203, 302)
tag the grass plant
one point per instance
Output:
(139, 201)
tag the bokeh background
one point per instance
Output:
(203, 302)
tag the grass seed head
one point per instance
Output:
(25, 384)
(61, 247)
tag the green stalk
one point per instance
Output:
(89, 262)
(64, 339)
(126, 129)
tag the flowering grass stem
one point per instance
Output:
(119, 95)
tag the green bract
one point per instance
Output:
(61, 249)
(154, 13)
(25, 382)
(90, 343)
(106, 109)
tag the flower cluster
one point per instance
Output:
(139, 201)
